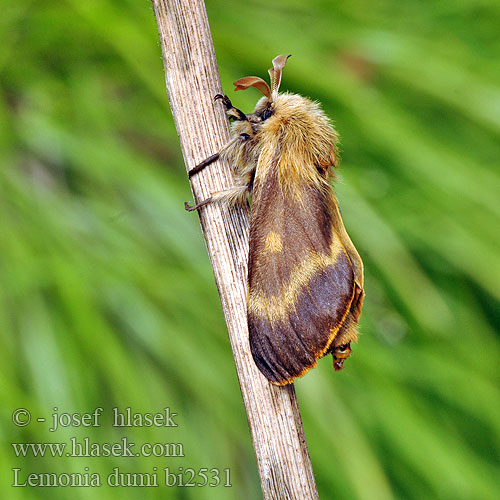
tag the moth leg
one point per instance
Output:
(198, 205)
(231, 196)
(203, 164)
(231, 111)
(198, 168)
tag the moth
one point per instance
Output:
(305, 277)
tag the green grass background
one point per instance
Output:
(107, 297)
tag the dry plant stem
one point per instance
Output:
(192, 82)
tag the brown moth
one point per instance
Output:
(305, 277)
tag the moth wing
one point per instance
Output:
(302, 279)
(357, 264)
(338, 225)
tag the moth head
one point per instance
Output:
(340, 354)
(265, 107)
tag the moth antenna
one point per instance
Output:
(253, 81)
(275, 72)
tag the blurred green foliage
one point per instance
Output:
(107, 296)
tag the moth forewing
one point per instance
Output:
(305, 276)
(301, 278)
